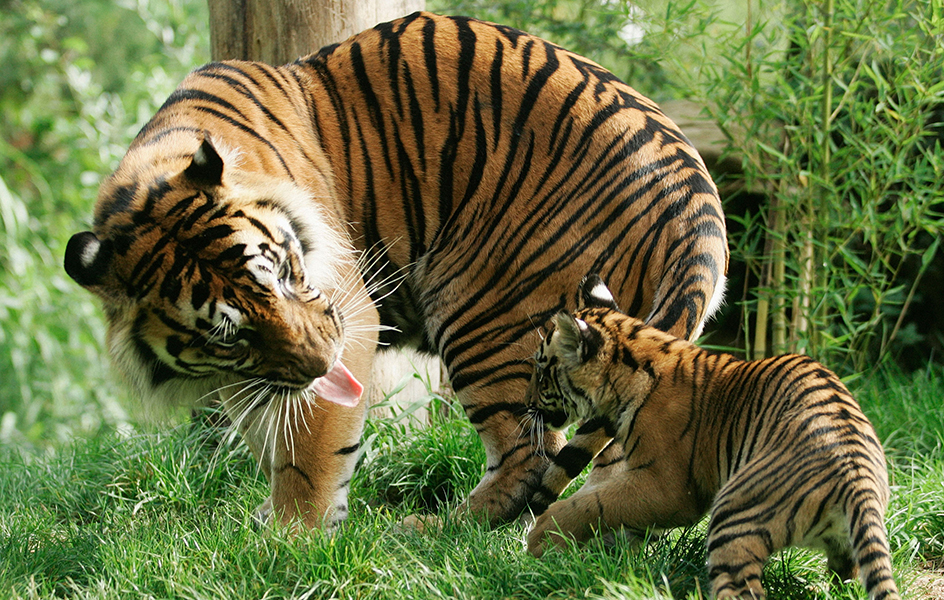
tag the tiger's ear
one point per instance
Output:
(88, 259)
(577, 342)
(593, 293)
(206, 168)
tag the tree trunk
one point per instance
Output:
(279, 31)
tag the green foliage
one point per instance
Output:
(836, 112)
(632, 39)
(906, 412)
(424, 470)
(78, 80)
(588, 27)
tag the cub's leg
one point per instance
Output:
(610, 463)
(745, 528)
(640, 500)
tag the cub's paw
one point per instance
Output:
(421, 524)
(544, 535)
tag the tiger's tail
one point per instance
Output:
(870, 545)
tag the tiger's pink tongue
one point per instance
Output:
(339, 386)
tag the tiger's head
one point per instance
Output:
(211, 275)
(580, 360)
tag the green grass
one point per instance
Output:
(169, 516)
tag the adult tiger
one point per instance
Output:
(439, 182)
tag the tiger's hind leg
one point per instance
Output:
(840, 562)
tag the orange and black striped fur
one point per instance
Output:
(776, 450)
(436, 182)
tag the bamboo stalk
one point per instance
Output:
(779, 317)
(802, 322)
(825, 176)
(759, 348)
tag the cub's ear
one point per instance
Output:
(593, 293)
(206, 168)
(577, 342)
(88, 259)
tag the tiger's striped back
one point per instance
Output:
(535, 166)
(777, 450)
(463, 146)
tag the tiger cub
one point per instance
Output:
(777, 450)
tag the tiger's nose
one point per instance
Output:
(298, 372)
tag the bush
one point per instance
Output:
(837, 113)
(78, 80)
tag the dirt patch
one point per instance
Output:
(928, 586)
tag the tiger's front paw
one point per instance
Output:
(262, 515)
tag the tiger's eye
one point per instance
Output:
(230, 348)
(285, 273)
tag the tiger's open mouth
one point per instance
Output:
(338, 385)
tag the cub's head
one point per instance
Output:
(589, 363)
(211, 276)
(570, 365)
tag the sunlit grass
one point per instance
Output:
(169, 515)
